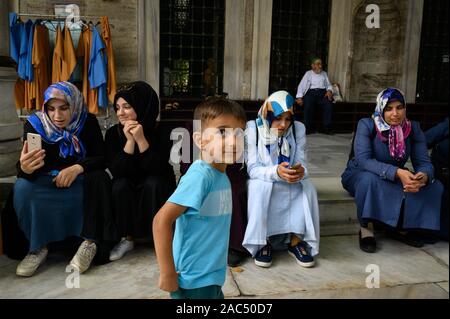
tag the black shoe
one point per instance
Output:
(408, 239)
(367, 244)
(428, 238)
(235, 258)
(328, 131)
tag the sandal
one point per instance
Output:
(168, 106)
(175, 105)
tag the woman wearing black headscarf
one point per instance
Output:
(137, 153)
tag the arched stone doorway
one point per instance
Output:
(377, 54)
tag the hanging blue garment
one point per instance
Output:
(102, 96)
(97, 73)
(24, 50)
(15, 32)
(29, 69)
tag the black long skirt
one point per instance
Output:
(137, 202)
(98, 217)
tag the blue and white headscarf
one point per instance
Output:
(275, 105)
(67, 138)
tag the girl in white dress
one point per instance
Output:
(283, 211)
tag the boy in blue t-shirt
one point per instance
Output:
(194, 265)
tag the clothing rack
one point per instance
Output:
(54, 16)
(58, 17)
(21, 114)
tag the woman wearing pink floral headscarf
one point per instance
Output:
(385, 190)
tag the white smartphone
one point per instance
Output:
(34, 142)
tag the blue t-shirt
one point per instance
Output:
(200, 243)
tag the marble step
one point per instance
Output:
(337, 208)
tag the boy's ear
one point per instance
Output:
(197, 138)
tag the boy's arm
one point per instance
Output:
(162, 236)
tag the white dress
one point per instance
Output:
(276, 207)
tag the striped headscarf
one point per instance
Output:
(394, 135)
(275, 105)
(67, 138)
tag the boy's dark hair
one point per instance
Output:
(214, 107)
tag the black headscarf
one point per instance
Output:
(144, 101)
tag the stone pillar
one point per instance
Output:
(246, 84)
(408, 82)
(148, 12)
(10, 126)
(233, 69)
(339, 45)
(248, 28)
(148, 42)
(262, 42)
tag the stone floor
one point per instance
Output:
(340, 272)
(404, 272)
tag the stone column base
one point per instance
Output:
(10, 126)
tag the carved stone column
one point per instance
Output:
(10, 126)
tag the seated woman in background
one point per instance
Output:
(384, 189)
(437, 140)
(283, 211)
(49, 195)
(137, 152)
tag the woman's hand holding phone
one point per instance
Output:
(292, 174)
(299, 170)
(30, 161)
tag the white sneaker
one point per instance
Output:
(121, 249)
(84, 256)
(31, 262)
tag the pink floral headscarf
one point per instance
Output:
(395, 135)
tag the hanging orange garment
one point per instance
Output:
(58, 55)
(24, 94)
(106, 35)
(29, 97)
(41, 65)
(84, 51)
(19, 93)
(69, 60)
